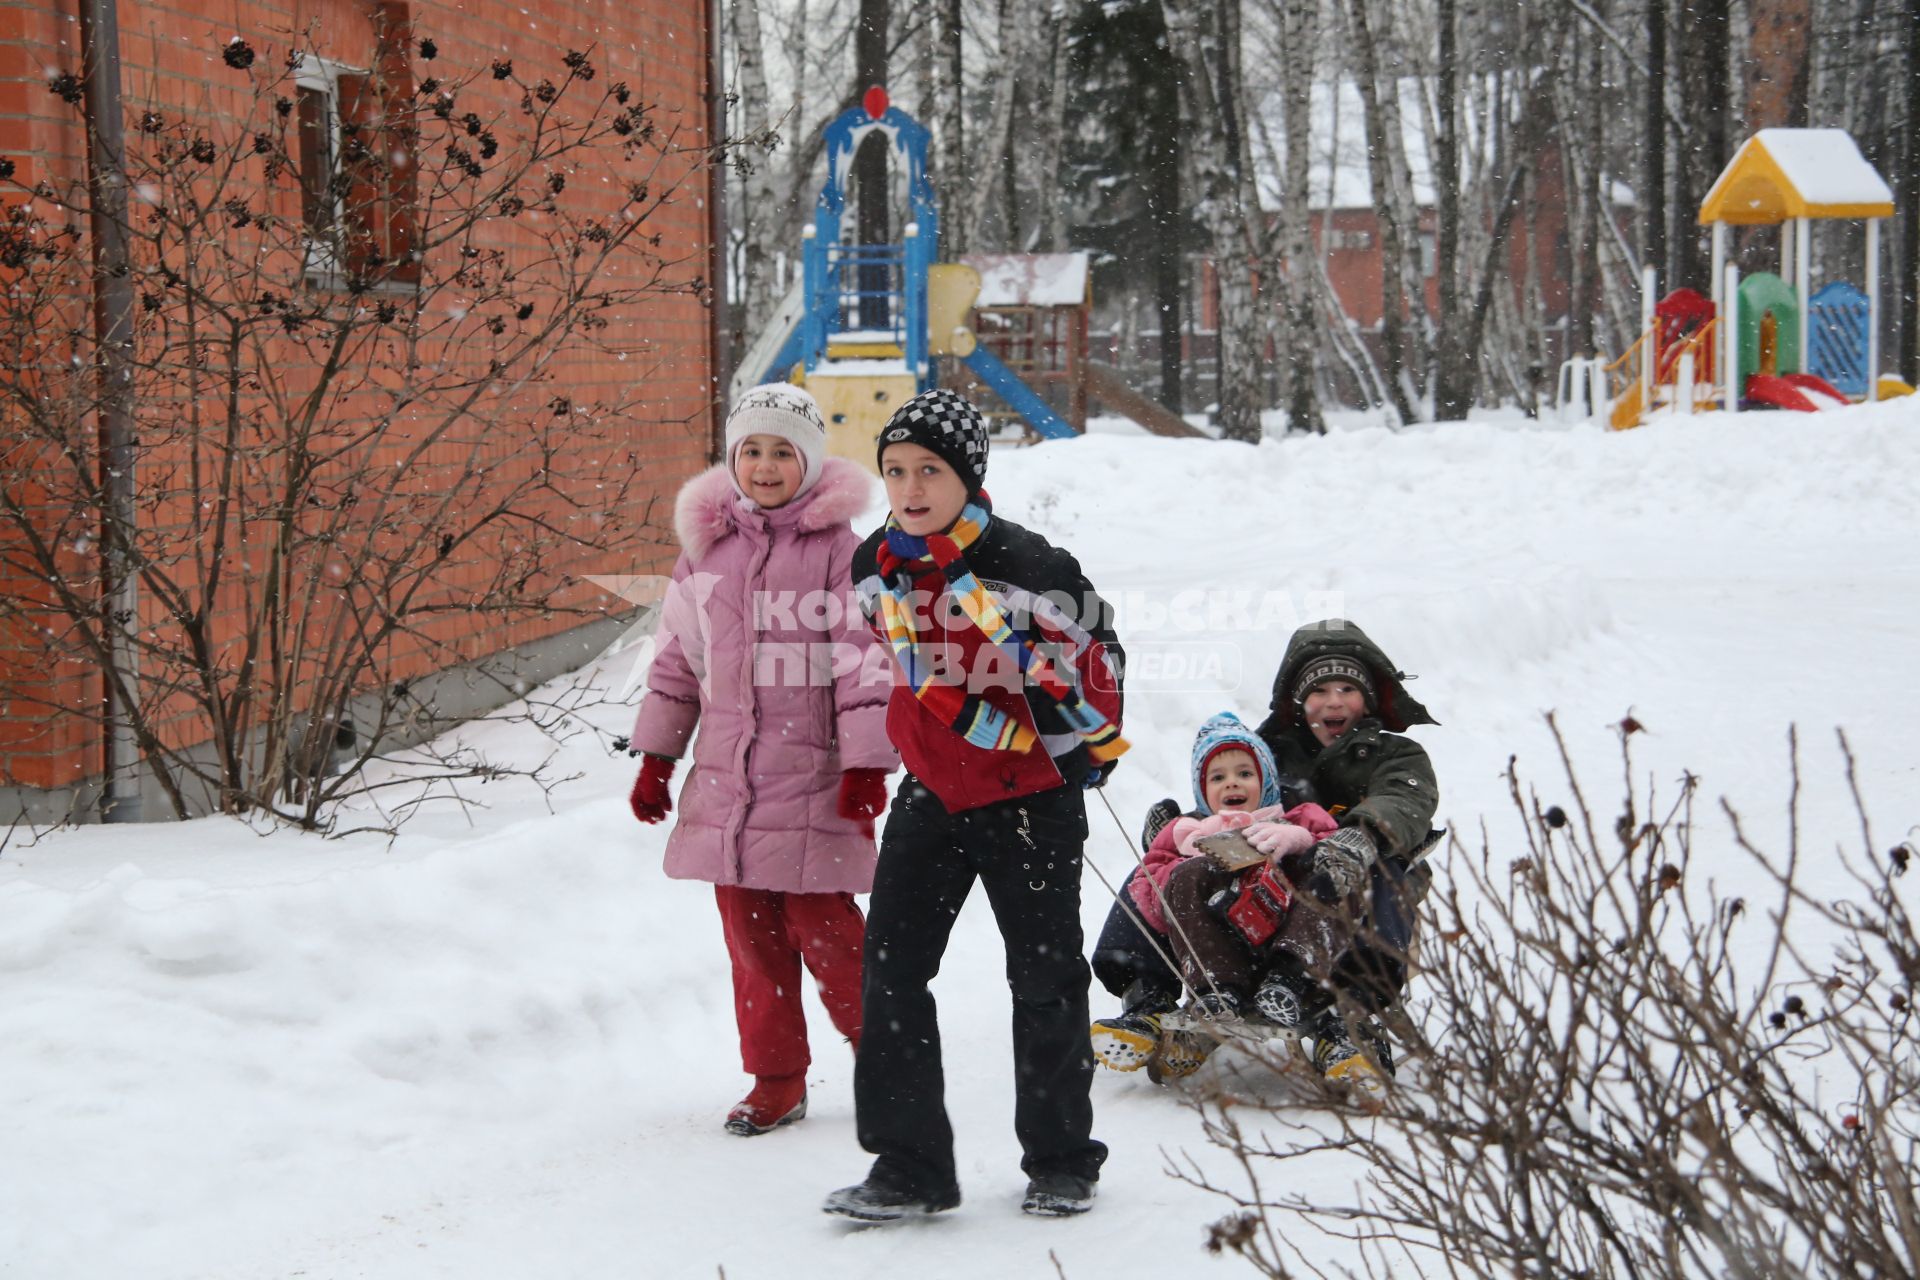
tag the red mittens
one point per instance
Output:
(650, 799)
(863, 797)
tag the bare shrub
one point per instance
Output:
(1637, 1047)
(352, 387)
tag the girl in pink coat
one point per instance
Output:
(764, 649)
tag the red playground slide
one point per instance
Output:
(1790, 391)
(1818, 387)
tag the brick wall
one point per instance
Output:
(171, 58)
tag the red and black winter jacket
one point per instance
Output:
(1045, 597)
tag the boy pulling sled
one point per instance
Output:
(1286, 897)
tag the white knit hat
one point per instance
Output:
(788, 412)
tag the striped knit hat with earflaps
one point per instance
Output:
(1333, 666)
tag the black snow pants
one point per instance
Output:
(1026, 853)
(1127, 959)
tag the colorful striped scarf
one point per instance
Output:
(944, 693)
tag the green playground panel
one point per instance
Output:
(1760, 293)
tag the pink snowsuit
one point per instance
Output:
(1177, 842)
(763, 647)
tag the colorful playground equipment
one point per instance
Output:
(1034, 312)
(1765, 341)
(861, 327)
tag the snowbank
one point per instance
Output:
(502, 1043)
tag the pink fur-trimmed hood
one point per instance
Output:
(709, 507)
(744, 657)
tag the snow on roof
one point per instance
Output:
(1825, 164)
(1797, 173)
(1030, 279)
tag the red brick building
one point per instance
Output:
(1533, 259)
(172, 68)
(1349, 240)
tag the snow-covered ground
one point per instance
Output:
(501, 1045)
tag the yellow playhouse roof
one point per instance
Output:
(1797, 173)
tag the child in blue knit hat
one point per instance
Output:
(1237, 786)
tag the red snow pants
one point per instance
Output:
(768, 935)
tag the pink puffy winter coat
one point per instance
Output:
(785, 707)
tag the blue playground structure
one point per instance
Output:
(860, 373)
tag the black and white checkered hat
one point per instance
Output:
(948, 424)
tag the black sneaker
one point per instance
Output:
(1150, 996)
(870, 1201)
(1058, 1195)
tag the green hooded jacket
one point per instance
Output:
(1376, 777)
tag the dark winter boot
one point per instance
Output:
(872, 1201)
(1126, 1043)
(1218, 1005)
(1058, 1195)
(1183, 1052)
(1357, 1058)
(774, 1101)
(1282, 998)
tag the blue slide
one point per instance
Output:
(1025, 401)
(777, 347)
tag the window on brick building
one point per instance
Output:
(1429, 255)
(1343, 239)
(356, 179)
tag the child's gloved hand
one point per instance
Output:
(1335, 867)
(1163, 812)
(651, 800)
(1278, 839)
(863, 797)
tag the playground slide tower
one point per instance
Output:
(861, 327)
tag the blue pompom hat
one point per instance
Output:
(1225, 732)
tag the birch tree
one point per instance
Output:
(1299, 26)
(759, 227)
(1653, 143)
(1907, 294)
(1019, 33)
(1453, 377)
(948, 119)
(1393, 233)
(1200, 32)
